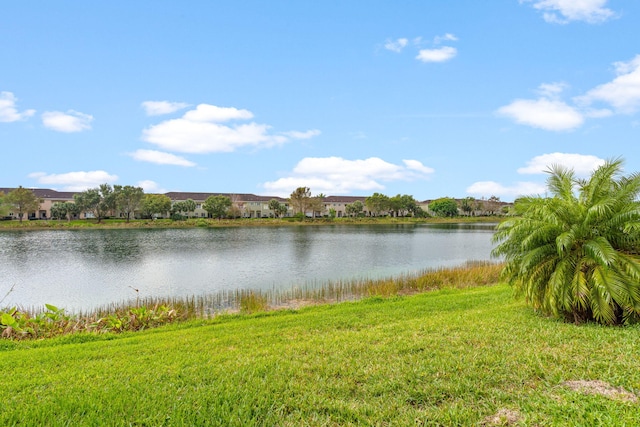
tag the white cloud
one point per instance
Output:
(150, 186)
(199, 131)
(74, 181)
(71, 121)
(8, 111)
(551, 90)
(335, 175)
(294, 134)
(623, 93)
(582, 164)
(547, 114)
(492, 188)
(212, 113)
(564, 11)
(442, 54)
(396, 45)
(157, 108)
(446, 37)
(160, 158)
(417, 166)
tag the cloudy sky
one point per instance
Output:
(428, 98)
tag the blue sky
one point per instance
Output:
(428, 98)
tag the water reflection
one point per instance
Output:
(85, 268)
(111, 245)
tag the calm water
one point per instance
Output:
(86, 268)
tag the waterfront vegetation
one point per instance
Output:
(451, 357)
(144, 313)
(575, 255)
(208, 222)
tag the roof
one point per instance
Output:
(175, 195)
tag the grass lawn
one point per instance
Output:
(450, 357)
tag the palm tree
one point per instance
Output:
(576, 254)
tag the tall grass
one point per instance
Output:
(145, 312)
(473, 273)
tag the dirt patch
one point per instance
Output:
(601, 388)
(504, 417)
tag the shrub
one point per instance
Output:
(576, 254)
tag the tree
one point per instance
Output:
(401, 205)
(300, 199)
(575, 254)
(3, 205)
(354, 209)
(189, 206)
(23, 200)
(316, 205)
(128, 199)
(444, 206)
(217, 206)
(377, 203)
(99, 201)
(64, 210)
(277, 208)
(467, 205)
(493, 205)
(155, 204)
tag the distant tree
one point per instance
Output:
(420, 213)
(4, 208)
(444, 206)
(278, 209)
(217, 206)
(493, 205)
(354, 209)
(108, 201)
(189, 206)
(377, 203)
(395, 205)
(176, 210)
(467, 205)
(237, 206)
(23, 201)
(155, 204)
(99, 201)
(64, 210)
(316, 205)
(128, 199)
(275, 207)
(234, 211)
(300, 199)
(401, 205)
(283, 209)
(89, 201)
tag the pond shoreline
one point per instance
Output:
(214, 223)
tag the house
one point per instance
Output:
(247, 205)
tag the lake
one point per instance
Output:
(83, 269)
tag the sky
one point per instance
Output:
(428, 98)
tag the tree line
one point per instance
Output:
(106, 200)
(128, 201)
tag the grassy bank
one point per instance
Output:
(450, 357)
(250, 222)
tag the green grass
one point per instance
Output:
(205, 222)
(448, 357)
